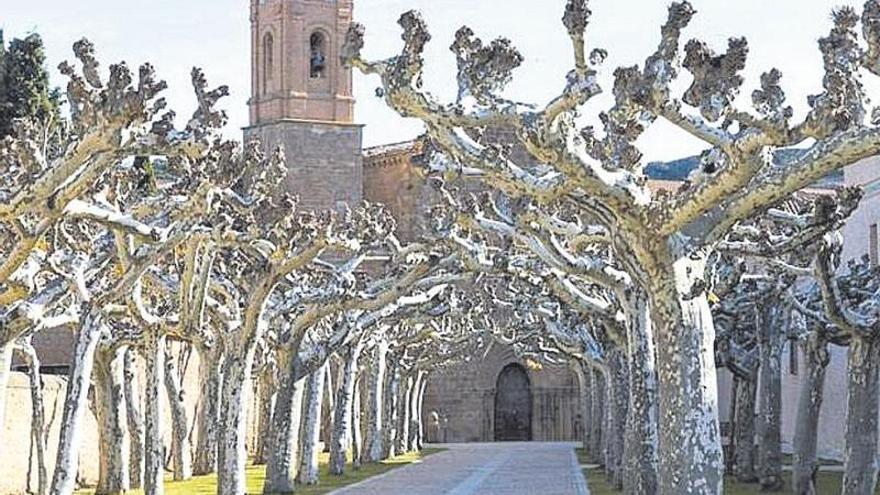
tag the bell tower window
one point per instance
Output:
(317, 56)
(268, 60)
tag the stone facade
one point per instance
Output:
(323, 159)
(460, 402)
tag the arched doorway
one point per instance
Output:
(513, 405)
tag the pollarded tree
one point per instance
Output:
(664, 241)
(774, 246)
(852, 304)
(563, 255)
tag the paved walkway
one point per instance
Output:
(510, 468)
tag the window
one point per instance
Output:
(873, 245)
(268, 60)
(792, 357)
(317, 57)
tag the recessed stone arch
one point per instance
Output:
(513, 404)
(267, 47)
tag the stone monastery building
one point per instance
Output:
(302, 99)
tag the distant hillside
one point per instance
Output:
(679, 170)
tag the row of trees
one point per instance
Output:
(151, 243)
(635, 282)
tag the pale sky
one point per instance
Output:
(176, 35)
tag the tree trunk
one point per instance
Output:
(38, 415)
(208, 410)
(330, 409)
(75, 404)
(357, 438)
(772, 323)
(5, 370)
(411, 443)
(393, 409)
(154, 447)
(744, 431)
(863, 399)
(376, 428)
(420, 412)
(283, 433)
(618, 398)
(113, 464)
(181, 451)
(267, 392)
(806, 432)
(640, 444)
(342, 421)
(135, 418)
(232, 455)
(729, 457)
(691, 459)
(597, 402)
(311, 434)
(403, 441)
(583, 400)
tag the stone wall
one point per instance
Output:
(460, 401)
(18, 472)
(324, 160)
(16, 450)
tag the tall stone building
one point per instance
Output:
(301, 99)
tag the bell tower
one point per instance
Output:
(301, 97)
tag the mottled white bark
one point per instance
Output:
(376, 428)
(393, 410)
(109, 405)
(419, 412)
(342, 420)
(330, 410)
(577, 367)
(404, 419)
(154, 447)
(618, 400)
(75, 405)
(38, 415)
(597, 402)
(744, 431)
(135, 418)
(691, 460)
(357, 435)
(267, 391)
(806, 430)
(413, 413)
(282, 460)
(181, 451)
(772, 323)
(208, 411)
(311, 432)
(640, 445)
(863, 407)
(232, 457)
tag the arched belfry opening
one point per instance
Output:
(317, 55)
(513, 405)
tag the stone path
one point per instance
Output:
(510, 468)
